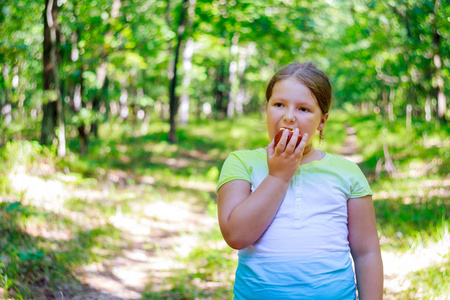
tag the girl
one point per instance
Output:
(296, 213)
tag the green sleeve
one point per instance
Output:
(232, 169)
(360, 186)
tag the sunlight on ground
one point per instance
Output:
(397, 266)
(47, 233)
(37, 192)
(425, 189)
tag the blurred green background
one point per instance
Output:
(116, 117)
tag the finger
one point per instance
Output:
(301, 147)
(281, 146)
(271, 149)
(293, 142)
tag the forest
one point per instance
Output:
(116, 117)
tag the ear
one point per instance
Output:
(323, 121)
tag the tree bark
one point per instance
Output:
(5, 93)
(241, 96)
(49, 106)
(232, 78)
(187, 62)
(221, 105)
(188, 52)
(391, 105)
(5, 103)
(53, 115)
(441, 99)
(77, 90)
(222, 88)
(82, 132)
(169, 21)
(236, 77)
(173, 100)
(102, 82)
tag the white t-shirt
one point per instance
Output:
(310, 225)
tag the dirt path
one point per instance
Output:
(350, 149)
(152, 246)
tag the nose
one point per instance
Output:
(289, 116)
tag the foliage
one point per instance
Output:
(116, 56)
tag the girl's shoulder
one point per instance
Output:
(249, 159)
(328, 160)
(250, 154)
(335, 159)
(344, 167)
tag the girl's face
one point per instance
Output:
(292, 105)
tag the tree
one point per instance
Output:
(437, 37)
(173, 99)
(53, 105)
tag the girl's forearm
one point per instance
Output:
(369, 276)
(249, 220)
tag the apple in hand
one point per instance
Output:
(290, 132)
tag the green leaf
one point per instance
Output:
(12, 206)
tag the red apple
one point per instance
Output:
(290, 132)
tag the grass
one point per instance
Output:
(432, 282)
(33, 264)
(127, 174)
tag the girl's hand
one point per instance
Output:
(283, 160)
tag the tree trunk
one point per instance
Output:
(6, 92)
(241, 96)
(173, 100)
(49, 106)
(83, 139)
(441, 99)
(78, 104)
(5, 103)
(409, 109)
(102, 87)
(169, 21)
(388, 163)
(187, 65)
(236, 77)
(428, 109)
(78, 88)
(133, 95)
(5, 100)
(222, 89)
(232, 78)
(61, 125)
(391, 105)
(384, 95)
(53, 106)
(221, 105)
